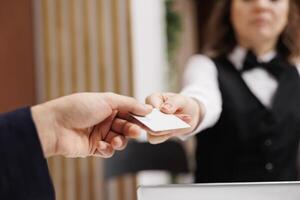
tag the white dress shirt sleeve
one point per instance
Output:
(200, 81)
(298, 67)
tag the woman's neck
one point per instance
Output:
(259, 48)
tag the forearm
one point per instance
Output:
(201, 84)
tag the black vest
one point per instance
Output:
(251, 142)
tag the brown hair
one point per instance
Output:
(220, 37)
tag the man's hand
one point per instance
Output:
(87, 124)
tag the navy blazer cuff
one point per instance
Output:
(23, 170)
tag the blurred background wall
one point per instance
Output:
(83, 46)
(17, 83)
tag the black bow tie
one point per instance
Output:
(274, 67)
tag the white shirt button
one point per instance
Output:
(268, 142)
(269, 166)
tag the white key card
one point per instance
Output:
(157, 121)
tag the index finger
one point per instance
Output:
(155, 99)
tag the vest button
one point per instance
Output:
(268, 142)
(269, 166)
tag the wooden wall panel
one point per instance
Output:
(84, 46)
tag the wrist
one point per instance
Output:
(199, 110)
(44, 121)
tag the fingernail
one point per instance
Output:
(135, 133)
(186, 117)
(147, 106)
(118, 142)
(167, 106)
(102, 145)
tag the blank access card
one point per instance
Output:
(157, 121)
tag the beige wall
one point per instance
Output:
(83, 46)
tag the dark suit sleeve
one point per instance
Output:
(23, 168)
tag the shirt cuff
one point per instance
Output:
(212, 111)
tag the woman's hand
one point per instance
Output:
(187, 109)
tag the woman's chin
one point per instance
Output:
(264, 35)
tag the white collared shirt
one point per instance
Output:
(201, 83)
